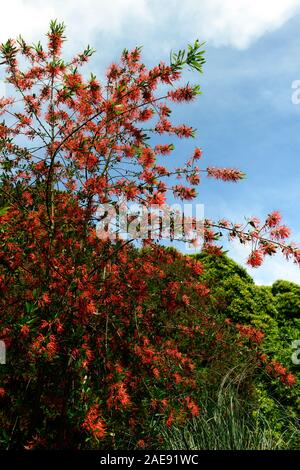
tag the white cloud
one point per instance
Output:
(238, 23)
(220, 22)
(84, 18)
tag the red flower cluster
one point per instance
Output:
(93, 423)
(250, 332)
(273, 219)
(192, 407)
(186, 93)
(275, 369)
(118, 396)
(225, 174)
(256, 258)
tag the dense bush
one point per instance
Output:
(274, 310)
(105, 342)
(149, 352)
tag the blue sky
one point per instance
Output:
(245, 117)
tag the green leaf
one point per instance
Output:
(193, 57)
(30, 308)
(3, 210)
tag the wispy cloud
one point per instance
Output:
(85, 19)
(221, 22)
(238, 24)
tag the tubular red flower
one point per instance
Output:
(93, 423)
(273, 219)
(281, 232)
(255, 259)
(225, 174)
(186, 93)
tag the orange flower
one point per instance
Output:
(118, 396)
(93, 423)
(170, 420)
(192, 407)
(289, 379)
(140, 443)
(25, 330)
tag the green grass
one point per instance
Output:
(227, 424)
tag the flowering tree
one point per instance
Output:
(80, 315)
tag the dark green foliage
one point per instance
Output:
(275, 310)
(287, 295)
